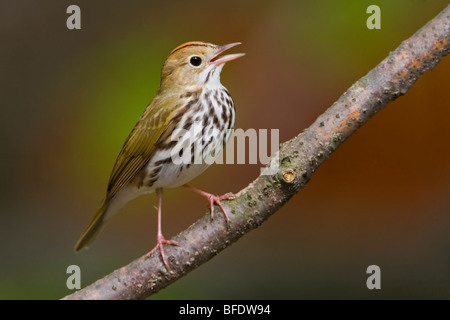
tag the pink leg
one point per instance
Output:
(160, 238)
(213, 199)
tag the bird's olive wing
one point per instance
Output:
(140, 144)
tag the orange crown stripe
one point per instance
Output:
(191, 44)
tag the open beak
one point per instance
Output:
(221, 60)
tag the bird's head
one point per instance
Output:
(195, 63)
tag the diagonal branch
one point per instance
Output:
(299, 158)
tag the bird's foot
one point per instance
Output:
(161, 241)
(213, 199)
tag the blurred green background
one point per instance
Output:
(70, 98)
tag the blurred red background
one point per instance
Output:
(70, 98)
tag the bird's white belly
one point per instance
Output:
(194, 145)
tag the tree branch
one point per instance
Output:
(299, 158)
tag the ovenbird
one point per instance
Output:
(190, 96)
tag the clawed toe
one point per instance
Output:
(160, 245)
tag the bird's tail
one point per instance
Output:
(92, 229)
(109, 208)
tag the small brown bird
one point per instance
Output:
(177, 137)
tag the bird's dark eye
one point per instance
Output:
(195, 61)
